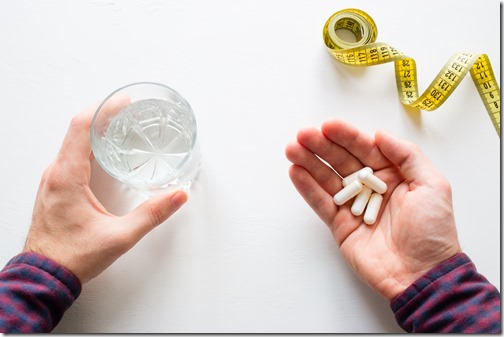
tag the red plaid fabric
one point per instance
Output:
(451, 298)
(34, 293)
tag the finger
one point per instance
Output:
(108, 110)
(356, 142)
(320, 172)
(153, 212)
(414, 165)
(314, 195)
(335, 155)
(76, 147)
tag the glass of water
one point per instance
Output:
(144, 134)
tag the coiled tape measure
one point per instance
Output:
(366, 52)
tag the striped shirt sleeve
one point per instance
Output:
(451, 298)
(34, 293)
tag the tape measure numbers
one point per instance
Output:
(366, 52)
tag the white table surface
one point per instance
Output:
(245, 254)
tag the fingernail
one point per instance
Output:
(178, 199)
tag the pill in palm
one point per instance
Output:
(354, 176)
(348, 192)
(372, 209)
(361, 201)
(372, 181)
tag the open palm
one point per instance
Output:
(415, 229)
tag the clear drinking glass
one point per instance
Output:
(144, 134)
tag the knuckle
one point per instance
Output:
(156, 215)
(52, 178)
(445, 186)
(46, 174)
(80, 120)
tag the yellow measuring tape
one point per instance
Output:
(366, 52)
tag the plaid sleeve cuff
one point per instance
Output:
(452, 297)
(35, 291)
(63, 275)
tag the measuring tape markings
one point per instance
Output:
(366, 52)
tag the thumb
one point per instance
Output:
(153, 212)
(412, 162)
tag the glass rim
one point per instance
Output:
(94, 141)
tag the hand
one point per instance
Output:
(69, 224)
(415, 229)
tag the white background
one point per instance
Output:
(245, 254)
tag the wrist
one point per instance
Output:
(408, 280)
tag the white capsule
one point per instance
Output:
(361, 200)
(348, 192)
(372, 209)
(372, 181)
(354, 176)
